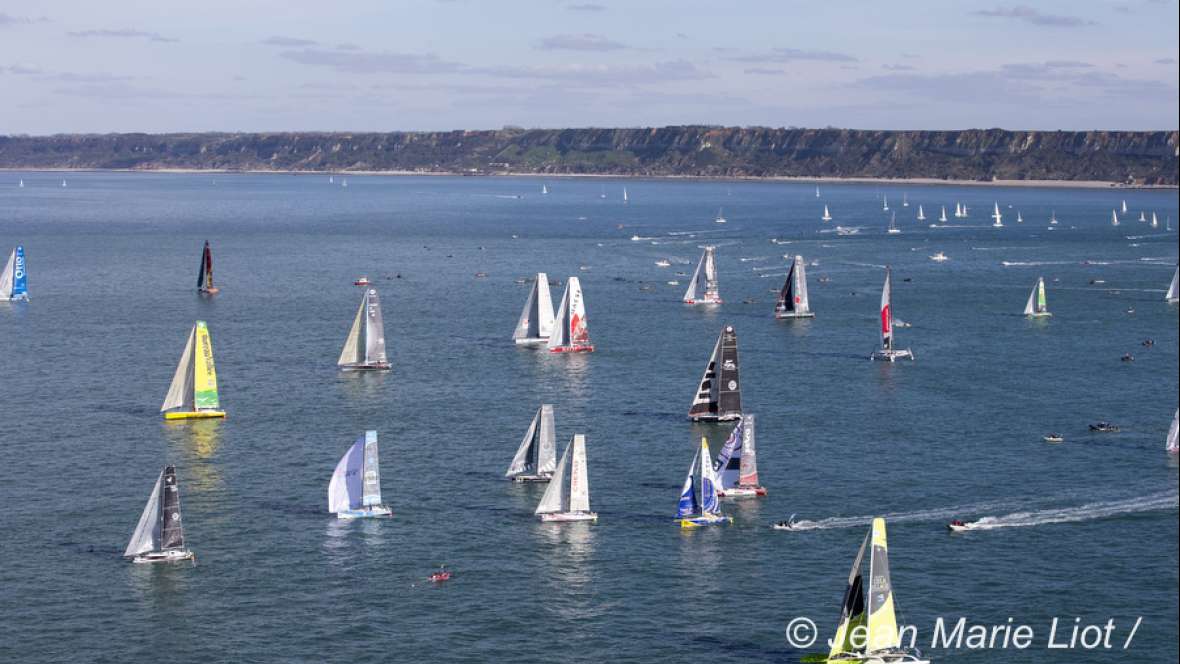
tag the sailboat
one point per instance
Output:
(1053, 218)
(1155, 221)
(720, 219)
(537, 455)
(942, 217)
(827, 215)
(571, 334)
(14, 280)
(1036, 307)
(159, 535)
(999, 219)
(817, 192)
(736, 466)
(22, 183)
(625, 199)
(544, 190)
(905, 201)
(965, 211)
(703, 287)
(536, 320)
(331, 180)
(193, 392)
(893, 229)
(364, 349)
(354, 492)
(1019, 217)
(1124, 206)
(698, 498)
(792, 299)
(1142, 217)
(887, 352)
(885, 203)
(63, 183)
(869, 634)
(1171, 445)
(205, 273)
(344, 182)
(719, 395)
(958, 210)
(568, 499)
(1114, 218)
(921, 213)
(1173, 294)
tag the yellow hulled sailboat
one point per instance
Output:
(193, 392)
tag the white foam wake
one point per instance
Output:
(938, 514)
(1160, 501)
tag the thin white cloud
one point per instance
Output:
(780, 55)
(124, 33)
(8, 20)
(289, 42)
(586, 7)
(579, 42)
(365, 62)
(1034, 16)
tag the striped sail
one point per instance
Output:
(718, 395)
(852, 612)
(709, 502)
(882, 619)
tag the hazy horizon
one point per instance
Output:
(447, 65)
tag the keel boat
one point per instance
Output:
(1036, 307)
(159, 535)
(719, 395)
(205, 273)
(698, 497)
(537, 455)
(1173, 294)
(571, 334)
(827, 215)
(536, 320)
(354, 492)
(792, 299)
(703, 287)
(567, 498)
(14, 280)
(364, 348)
(887, 352)
(193, 392)
(736, 465)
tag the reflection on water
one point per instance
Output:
(361, 385)
(568, 559)
(746, 510)
(569, 371)
(346, 539)
(158, 586)
(196, 442)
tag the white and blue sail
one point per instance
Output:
(699, 504)
(355, 488)
(14, 283)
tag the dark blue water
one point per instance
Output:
(1089, 526)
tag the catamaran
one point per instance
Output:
(893, 229)
(942, 217)
(736, 466)
(1114, 218)
(571, 333)
(14, 280)
(159, 535)
(719, 395)
(536, 320)
(537, 455)
(887, 352)
(1171, 445)
(354, 492)
(869, 634)
(698, 498)
(703, 287)
(364, 349)
(205, 273)
(568, 499)
(720, 218)
(1173, 294)
(827, 215)
(921, 213)
(1036, 307)
(193, 392)
(999, 219)
(792, 299)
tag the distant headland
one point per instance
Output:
(1095, 158)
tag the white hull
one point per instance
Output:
(562, 517)
(366, 513)
(892, 355)
(170, 556)
(525, 479)
(532, 341)
(1043, 314)
(794, 314)
(742, 492)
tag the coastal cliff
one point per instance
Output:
(1119, 157)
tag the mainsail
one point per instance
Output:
(748, 468)
(852, 612)
(1114, 218)
(703, 287)
(570, 331)
(921, 213)
(882, 620)
(159, 527)
(1036, 304)
(194, 385)
(942, 217)
(365, 345)
(827, 215)
(14, 279)
(999, 219)
(147, 531)
(887, 312)
(356, 482)
(698, 497)
(1173, 294)
(792, 299)
(719, 395)
(1172, 446)
(537, 454)
(536, 320)
(205, 272)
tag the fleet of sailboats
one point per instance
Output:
(702, 289)
(159, 534)
(567, 498)
(537, 455)
(887, 351)
(699, 504)
(364, 348)
(1036, 307)
(14, 280)
(719, 394)
(536, 320)
(354, 492)
(736, 465)
(792, 299)
(205, 273)
(193, 392)
(571, 333)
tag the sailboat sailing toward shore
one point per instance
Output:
(703, 287)
(536, 320)
(193, 392)
(868, 634)
(14, 280)
(792, 299)
(719, 395)
(567, 498)
(159, 534)
(537, 455)
(205, 273)
(1036, 307)
(887, 352)
(364, 348)
(571, 333)
(736, 466)
(354, 492)
(698, 497)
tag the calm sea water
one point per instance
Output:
(113, 257)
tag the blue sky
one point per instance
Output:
(365, 65)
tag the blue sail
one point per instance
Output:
(688, 497)
(20, 286)
(709, 496)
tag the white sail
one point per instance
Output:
(579, 478)
(557, 495)
(827, 215)
(921, 213)
(356, 481)
(625, 199)
(147, 531)
(537, 454)
(536, 320)
(1142, 217)
(180, 392)
(942, 217)
(1019, 217)
(352, 352)
(1155, 221)
(1172, 445)
(1174, 288)
(1124, 206)
(6, 277)
(1114, 218)
(1029, 308)
(999, 219)
(885, 204)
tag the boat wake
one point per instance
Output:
(939, 514)
(1036, 263)
(1168, 500)
(755, 258)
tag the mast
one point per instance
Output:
(882, 622)
(852, 611)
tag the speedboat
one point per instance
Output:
(1053, 438)
(789, 524)
(1127, 357)
(1105, 427)
(362, 281)
(663, 262)
(939, 257)
(958, 526)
